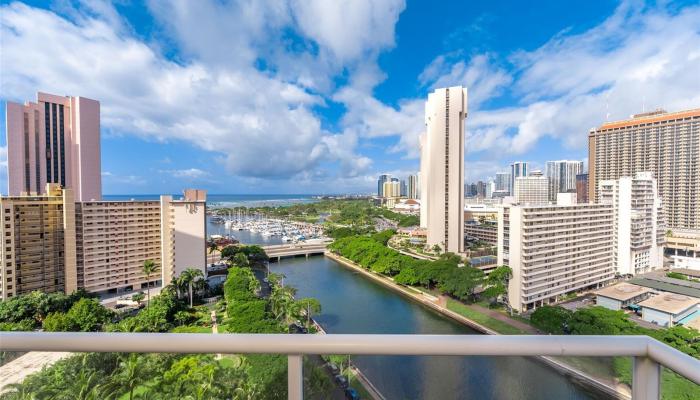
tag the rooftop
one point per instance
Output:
(622, 291)
(665, 286)
(649, 118)
(670, 303)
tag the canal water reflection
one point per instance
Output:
(354, 304)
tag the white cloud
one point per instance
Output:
(123, 179)
(636, 58)
(349, 29)
(261, 122)
(189, 173)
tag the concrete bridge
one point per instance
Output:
(294, 249)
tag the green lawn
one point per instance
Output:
(485, 320)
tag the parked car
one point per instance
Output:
(351, 394)
(342, 381)
(333, 368)
(296, 328)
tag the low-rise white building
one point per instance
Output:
(668, 309)
(682, 249)
(621, 296)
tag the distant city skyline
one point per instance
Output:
(344, 101)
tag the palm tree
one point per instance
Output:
(128, 376)
(149, 267)
(189, 276)
(282, 303)
(212, 248)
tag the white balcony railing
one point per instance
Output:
(649, 354)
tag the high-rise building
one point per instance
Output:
(38, 237)
(582, 188)
(503, 182)
(442, 168)
(490, 188)
(562, 176)
(665, 144)
(412, 192)
(554, 250)
(55, 140)
(533, 189)
(639, 228)
(380, 184)
(391, 189)
(404, 188)
(517, 169)
(113, 240)
(54, 244)
(481, 189)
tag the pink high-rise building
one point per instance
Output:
(55, 140)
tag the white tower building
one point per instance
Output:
(442, 168)
(639, 226)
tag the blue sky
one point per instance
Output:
(291, 96)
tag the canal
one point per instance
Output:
(354, 304)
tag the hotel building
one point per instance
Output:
(55, 140)
(533, 189)
(38, 243)
(442, 168)
(665, 144)
(554, 250)
(639, 227)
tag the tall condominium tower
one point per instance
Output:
(503, 182)
(412, 192)
(665, 144)
(442, 168)
(639, 227)
(517, 169)
(55, 140)
(380, 184)
(562, 176)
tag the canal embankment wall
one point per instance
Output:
(615, 391)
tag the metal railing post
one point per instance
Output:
(646, 379)
(295, 377)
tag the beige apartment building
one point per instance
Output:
(54, 244)
(554, 250)
(114, 239)
(183, 233)
(665, 144)
(38, 236)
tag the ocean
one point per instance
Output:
(230, 200)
